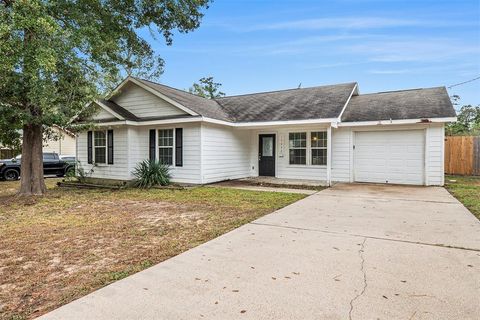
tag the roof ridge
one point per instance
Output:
(282, 90)
(401, 90)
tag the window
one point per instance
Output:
(267, 146)
(48, 156)
(165, 146)
(298, 147)
(318, 144)
(100, 146)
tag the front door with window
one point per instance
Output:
(266, 155)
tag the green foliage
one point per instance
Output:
(468, 122)
(467, 190)
(10, 138)
(56, 56)
(81, 174)
(207, 88)
(71, 175)
(151, 173)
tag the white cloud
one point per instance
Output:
(355, 23)
(413, 50)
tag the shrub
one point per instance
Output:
(151, 173)
(79, 173)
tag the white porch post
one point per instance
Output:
(329, 155)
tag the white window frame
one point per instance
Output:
(94, 151)
(308, 161)
(318, 148)
(157, 147)
(298, 148)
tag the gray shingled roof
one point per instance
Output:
(399, 105)
(309, 103)
(205, 107)
(294, 104)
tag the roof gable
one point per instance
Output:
(202, 106)
(145, 104)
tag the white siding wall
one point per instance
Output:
(120, 169)
(103, 114)
(342, 151)
(435, 155)
(214, 153)
(143, 103)
(283, 169)
(190, 171)
(225, 153)
(65, 145)
(341, 154)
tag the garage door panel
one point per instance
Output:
(390, 157)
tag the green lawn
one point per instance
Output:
(59, 247)
(466, 190)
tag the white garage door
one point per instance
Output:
(390, 156)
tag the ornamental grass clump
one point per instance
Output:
(151, 173)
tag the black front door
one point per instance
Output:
(266, 155)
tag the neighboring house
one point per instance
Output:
(63, 144)
(328, 134)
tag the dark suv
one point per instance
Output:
(52, 165)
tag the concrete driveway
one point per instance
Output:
(348, 252)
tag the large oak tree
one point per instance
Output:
(57, 55)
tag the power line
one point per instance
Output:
(459, 84)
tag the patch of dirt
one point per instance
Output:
(68, 243)
(87, 239)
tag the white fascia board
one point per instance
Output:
(247, 125)
(150, 122)
(109, 110)
(392, 122)
(348, 100)
(117, 88)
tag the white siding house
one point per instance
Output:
(225, 153)
(328, 134)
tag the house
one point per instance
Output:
(64, 142)
(61, 141)
(327, 133)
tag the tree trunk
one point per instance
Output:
(31, 175)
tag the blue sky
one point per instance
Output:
(252, 46)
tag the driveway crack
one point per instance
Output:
(362, 269)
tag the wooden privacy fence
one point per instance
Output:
(462, 155)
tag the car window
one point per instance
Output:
(48, 156)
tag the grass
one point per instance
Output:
(467, 190)
(59, 247)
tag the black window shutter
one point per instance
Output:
(152, 145)
(89, 147)
(110, 146)
(179, 147)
